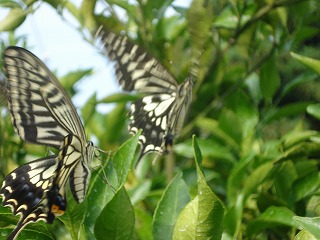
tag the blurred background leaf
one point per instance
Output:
(255, 113)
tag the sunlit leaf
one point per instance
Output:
(312, 63)
(269, 78)
(124, 158)
(14, 19)
(187, 222)
(273, 216)
(314, 110)
(174, 198)
(311, 225)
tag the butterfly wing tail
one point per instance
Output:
(24, 221)
(13, 235)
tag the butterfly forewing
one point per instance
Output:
(136, 70)
(161, 111)
(40, 110)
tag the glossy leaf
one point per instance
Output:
(202, 218)
(210, 207)
(273, 216)
(269, 78)
(314, 110)
(312, 225)
(173, 200)
(124, 158)
(312, 63)
(116, 220)
(14, 19)
(187, 222)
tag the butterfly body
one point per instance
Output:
(42, 113)
(161, 112)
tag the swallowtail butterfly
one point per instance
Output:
(42, 113)
(161, 112)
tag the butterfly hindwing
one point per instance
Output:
(24, 191)
(151, 115)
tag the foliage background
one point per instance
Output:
(255, 113)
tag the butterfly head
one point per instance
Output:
(90, 150)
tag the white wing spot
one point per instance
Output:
(137, 74)
(9, 189)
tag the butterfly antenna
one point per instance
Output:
(101, 167)
(103, 176)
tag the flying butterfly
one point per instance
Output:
(42, 113)
(161, 112)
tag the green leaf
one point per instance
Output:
(304, 235)
(116, 220)
(174, 198)
(69, 80)
(233, 219)
(295, 137)
(89, 109)
(139, 193)
(115, 122)
(87, 14)
(314, 110)
(30, 233)
(237, 176)
(283, 182)
(186, 225)
(306, 185)
(14, 19)
(199, 17)
(304, 78)
(202, 218)
(209, 148)
(311, 225)
(99, 194)
(74, 216)
(161, 7)
(256, 178)
(253, 85)
(8, 221)
(210, 207)
(143, 227)
(231, 124)
(124, 158)
(312, 63)
(302, 149)
(225, 19)
(120, 98)
(289, 110)
(213, 126)
(269, 78)
(273, 216)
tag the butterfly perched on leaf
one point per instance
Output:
(42, 113)
(161, 112)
